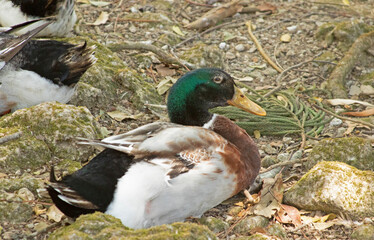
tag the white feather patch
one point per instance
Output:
(27, 88)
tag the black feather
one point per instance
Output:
(95, 182)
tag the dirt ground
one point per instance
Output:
(300, 19)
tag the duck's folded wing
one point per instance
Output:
(125, 142)
(160, 139)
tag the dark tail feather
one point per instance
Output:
(52, 176)
(78, 60)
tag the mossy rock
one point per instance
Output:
(25, 181)
(276, 229)
(103, 226)
(216, 225)
(256, 236)
(367, 79)
(109, 80)
(203, 55)
(49, 131)
(363, 232)
(354, 151)
(14, 210)
(249, 223)
(334, 187)
(345, 33)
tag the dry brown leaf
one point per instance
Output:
(365, 113)
(271, 197)
(165, 71)
(39, 209)
(265, 7)
(216, 14)
(54, 214)
(102, 19)
(120, 116)
(323, 225)
(352, 126)
(288, 214)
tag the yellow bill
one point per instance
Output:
(241, 101)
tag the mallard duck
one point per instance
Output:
(14, 12)
(41, 70)
(166, 172)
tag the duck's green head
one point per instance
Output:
(191, 97)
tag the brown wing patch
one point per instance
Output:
(187, 160)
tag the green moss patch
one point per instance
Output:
(354, 151)
(103, 226)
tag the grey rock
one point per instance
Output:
(334, 187)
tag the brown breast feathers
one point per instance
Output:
(248, 165)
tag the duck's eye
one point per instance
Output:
(218, 79)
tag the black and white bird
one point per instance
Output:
(41, 70)
(13, 12)
(9, 47)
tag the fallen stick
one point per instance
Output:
(162, 55)
(344, 118)
(10, 137)
(260, 49)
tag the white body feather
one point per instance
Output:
(12, 15)
(155, 201)
(27, 88)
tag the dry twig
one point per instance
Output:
(344, 118)
(260, 49)
(10, 137)
(163, 56)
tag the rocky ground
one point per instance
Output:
(126, 88)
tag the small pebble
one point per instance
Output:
(230, 55)
(286, 38)
(25, 194)
(222, 45)
(292, 29)
(269, 149)
(252, 49)
(340, 132)
(240, 47)
(134, 10)
(368, 221)
(287, 140)
(282, 157)
(367, 89)
(354, 90)
(132, 29)
(335, 122)
(297, 155)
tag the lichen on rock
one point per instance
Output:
(354, 151)
(103, 226)
(334, 187)
(203, 55)
(49, 131)
(343, 32)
